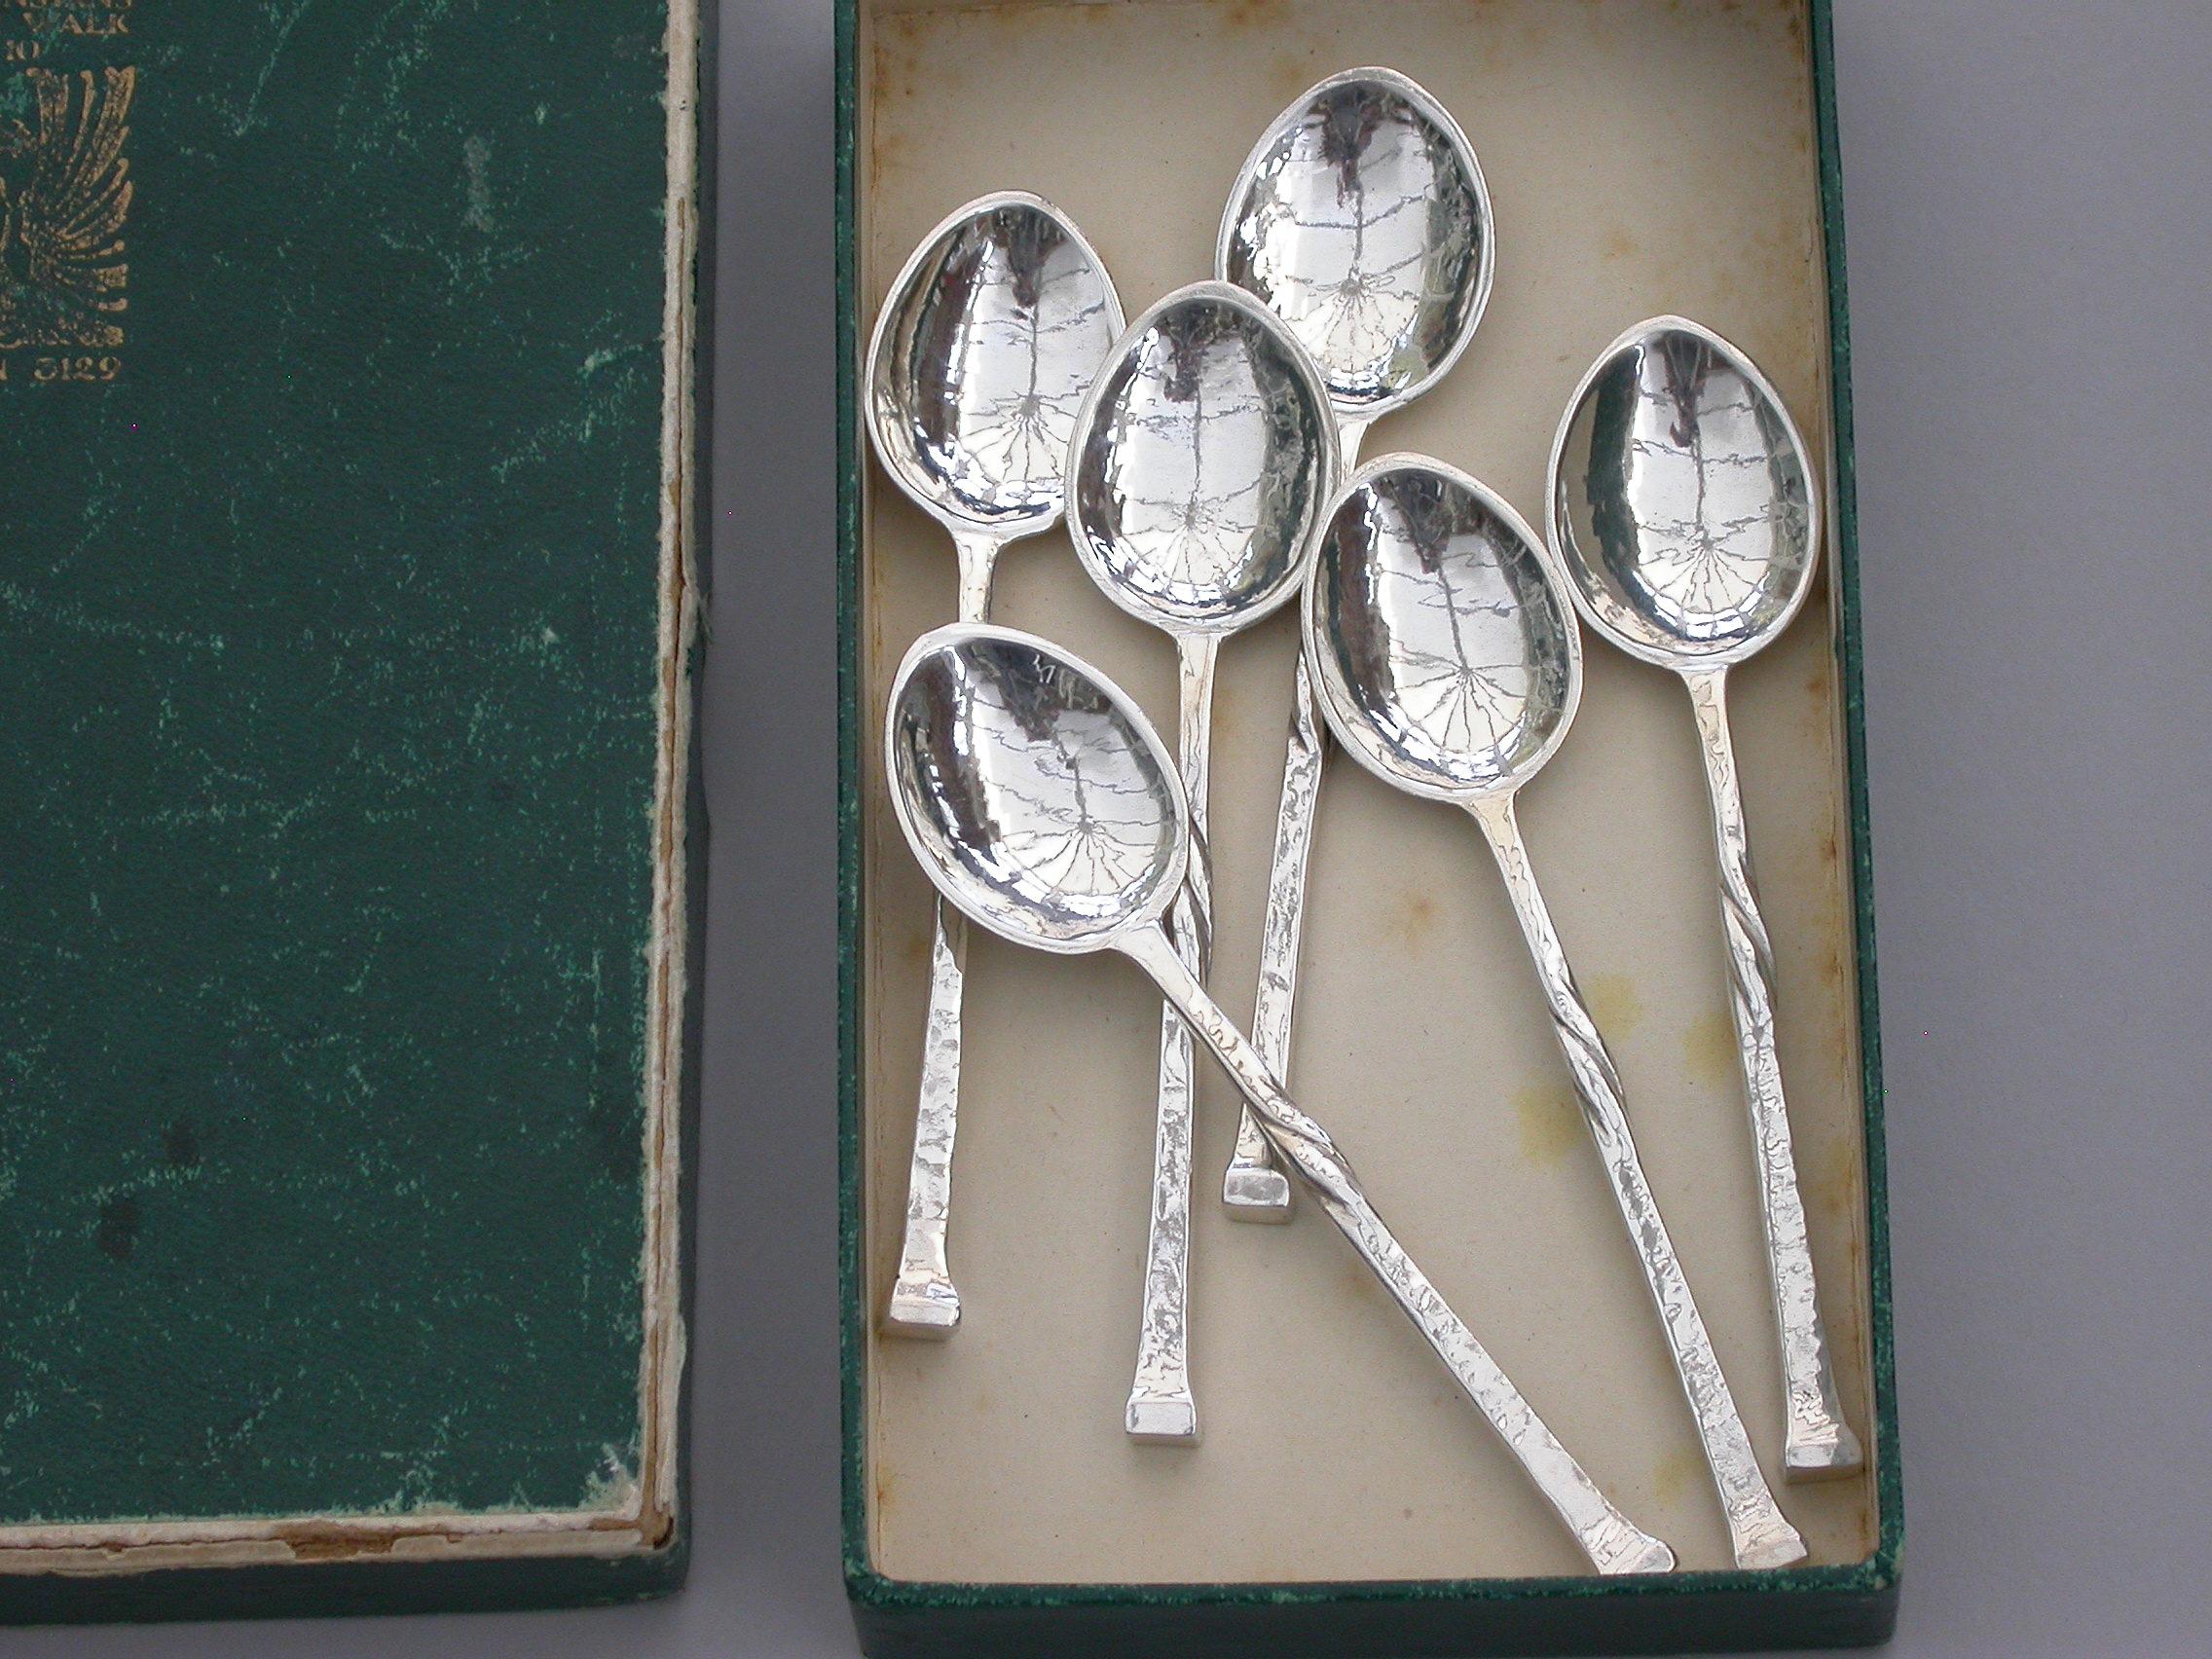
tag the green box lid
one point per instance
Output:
(345, 377)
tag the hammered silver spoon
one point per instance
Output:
(1202, 461)
(1041, 803)
(1447, 660)
(1682, 507)
(992, 333)
(1361, 218)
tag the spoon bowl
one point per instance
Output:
(1033, 791)
(1444, 653)
(1362, 219)
(1681, 501)
(1200, 463)
(980, 357)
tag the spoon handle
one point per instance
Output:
(1614, 1543)
(1759, 1533)
(1161, 1405)
(1819, 1442)
(1253, 1188)
(924, 1301)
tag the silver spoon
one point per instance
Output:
(991, 335)
(1043, 804)
(1683, 510)
(1362, 219)
(1202, 461)
(1448, 661)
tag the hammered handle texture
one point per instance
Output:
(1760, 1534)
(1614, 1543)
(924, 1301)
(1818, 1443)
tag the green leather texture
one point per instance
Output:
(329, 602)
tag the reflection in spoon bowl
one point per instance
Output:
(1444, 633)
(1202, 461)
(993, 334)
(1682, 506)
(1049, 808)
(1363, 221)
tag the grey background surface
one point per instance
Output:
(2029, 188)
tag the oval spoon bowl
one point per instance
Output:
(1682, 502)
(1362, 219)
(1036, 788)
(993, 332)
(1446, 655)
(1202, 459)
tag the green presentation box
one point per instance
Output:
(1643, 157)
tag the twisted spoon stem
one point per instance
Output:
(1819, 1444)
(1760, 1534)
(1614, 1543)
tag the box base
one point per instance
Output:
(1417, 1621)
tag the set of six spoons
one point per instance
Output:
(1205, 457)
